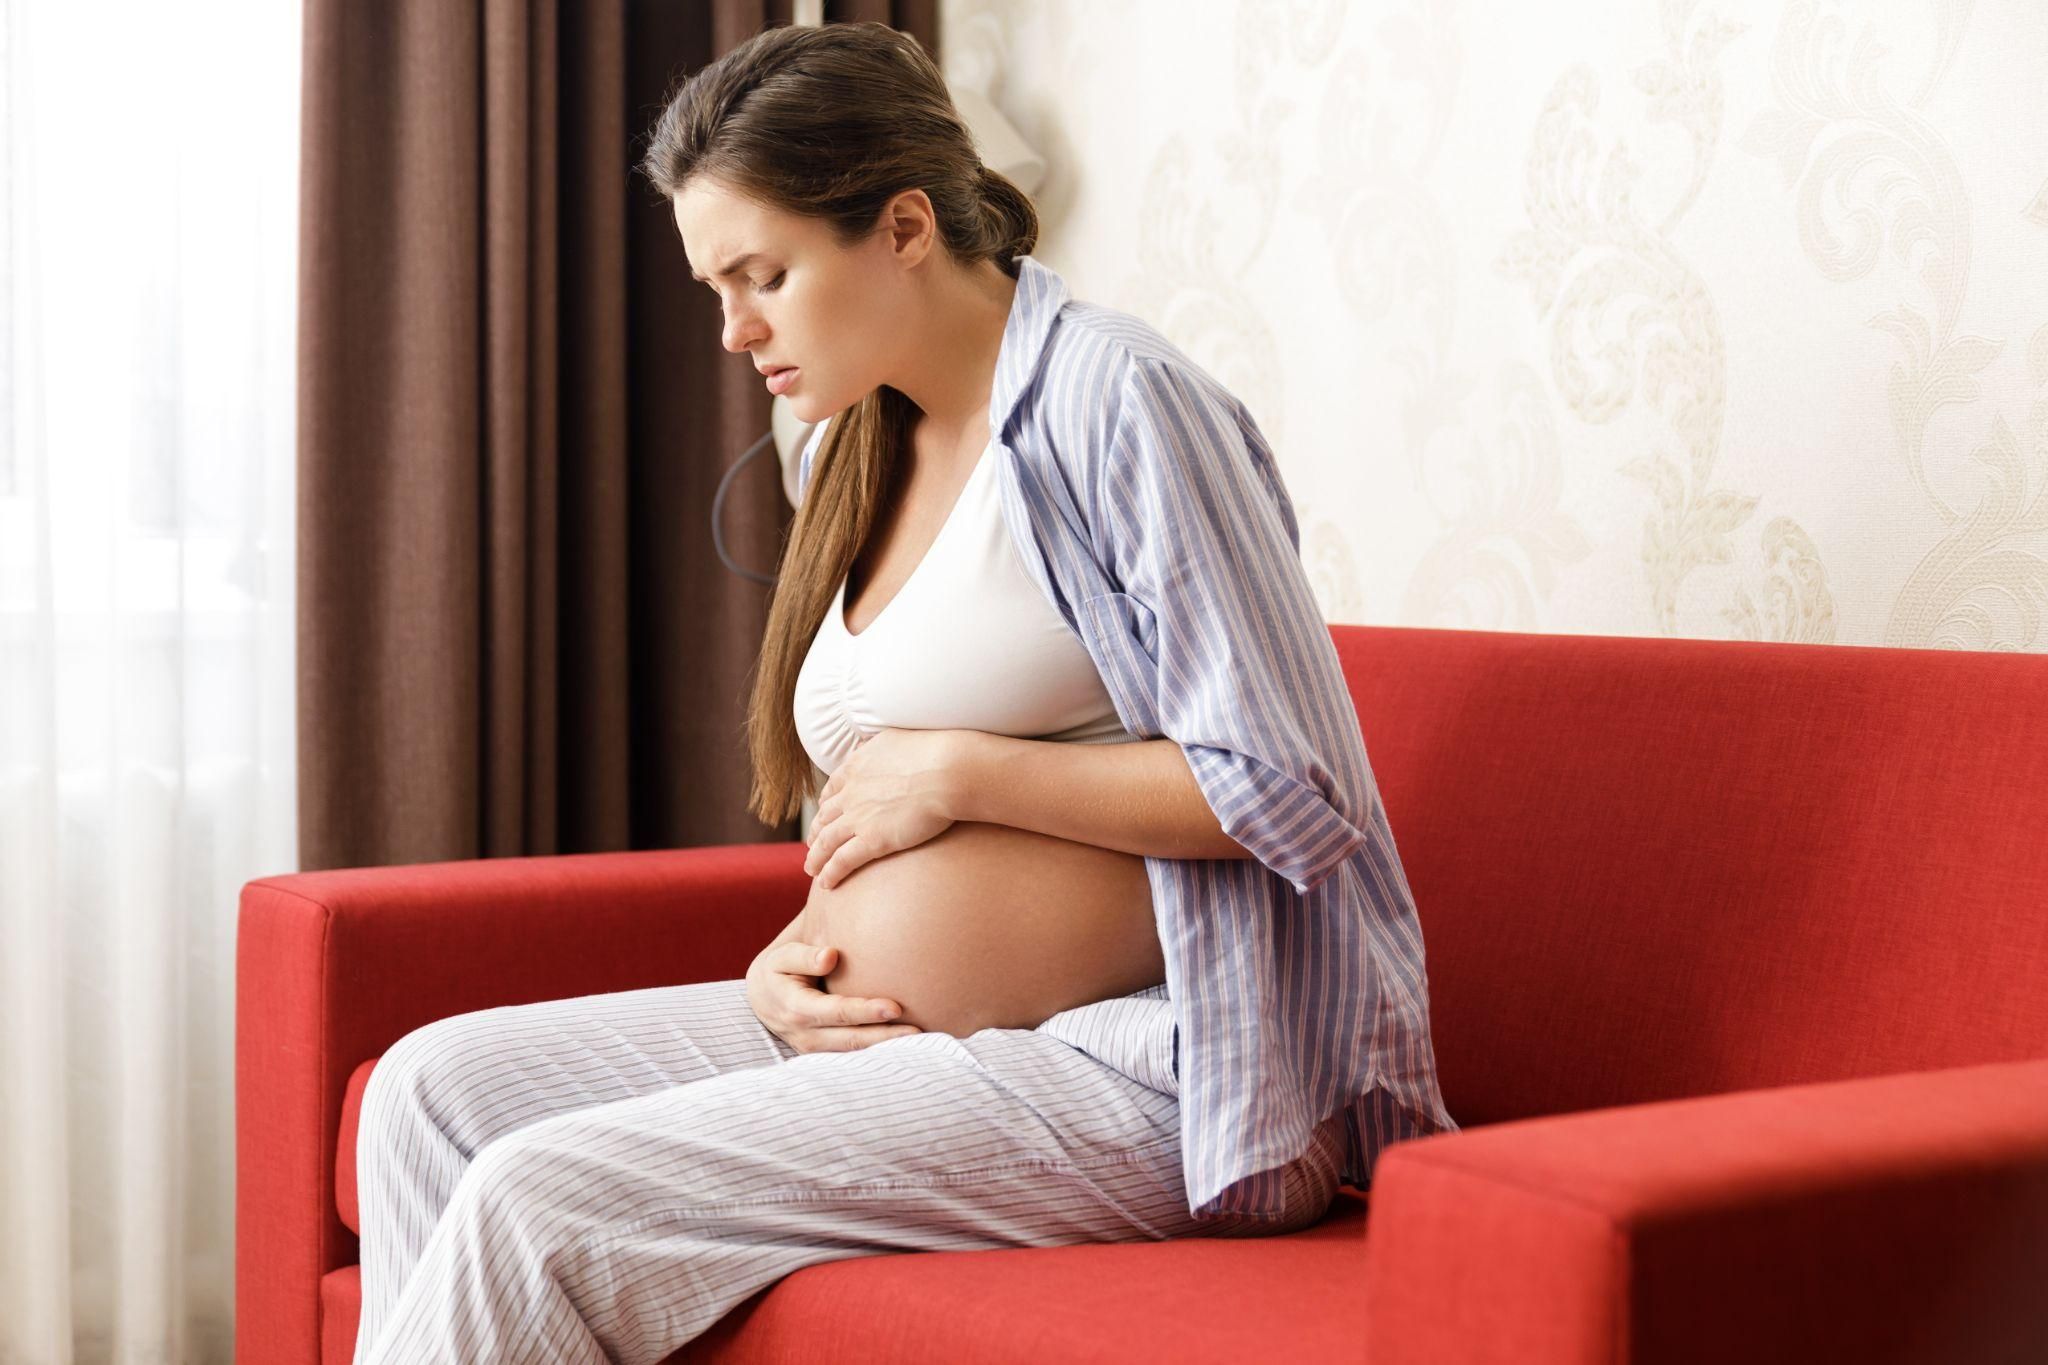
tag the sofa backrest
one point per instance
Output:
(1649, 868)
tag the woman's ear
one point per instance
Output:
(912, 225)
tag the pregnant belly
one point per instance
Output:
(988, 926)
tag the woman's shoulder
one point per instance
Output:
(1101, 333)
(1100, 360)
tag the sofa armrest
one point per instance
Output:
(1893, 1218)
(333, 967)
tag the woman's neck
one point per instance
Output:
(954, 365)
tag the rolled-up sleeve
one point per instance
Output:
(1224, 648)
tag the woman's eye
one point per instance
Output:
(772, 285)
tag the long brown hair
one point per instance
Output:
(831, 122)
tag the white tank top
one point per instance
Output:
(969, 642)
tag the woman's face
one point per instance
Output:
(793, 296)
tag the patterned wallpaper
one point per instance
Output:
(1705, 317)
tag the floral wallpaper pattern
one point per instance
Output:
(1716, 318)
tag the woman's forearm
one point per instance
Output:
(1137, 797)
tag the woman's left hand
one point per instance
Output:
(893, 792)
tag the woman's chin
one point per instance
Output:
(804, 408)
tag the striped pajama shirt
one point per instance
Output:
(1149, 508)
(601, 1179)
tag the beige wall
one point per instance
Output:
(1723, 319)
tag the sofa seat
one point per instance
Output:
(1292, 1298)
(1228, 1299)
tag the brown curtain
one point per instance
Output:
(514, 633)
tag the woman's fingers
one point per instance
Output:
(860, 1036)
(848, 1029)
(822, 1010)
(824, 1022)
(806, 961)
(802, 959)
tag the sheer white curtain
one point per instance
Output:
(149, 158)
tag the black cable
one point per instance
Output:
(718, 514)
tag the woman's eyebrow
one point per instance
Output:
(730, 266)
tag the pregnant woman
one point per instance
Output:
(1107, 938)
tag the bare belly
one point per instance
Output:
(988, 926)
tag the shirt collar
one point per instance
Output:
(1040, 295)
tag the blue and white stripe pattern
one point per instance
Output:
(1147, 505)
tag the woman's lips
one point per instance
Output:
(779, 382)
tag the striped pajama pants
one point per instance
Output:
(601, 1179)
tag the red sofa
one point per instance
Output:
(1739, 968)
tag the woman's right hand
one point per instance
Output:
(782, 986)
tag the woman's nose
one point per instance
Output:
(741, 330)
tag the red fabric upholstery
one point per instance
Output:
(345, 1147)
(334, 967)
(1736, 955)
(1205, 1299)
